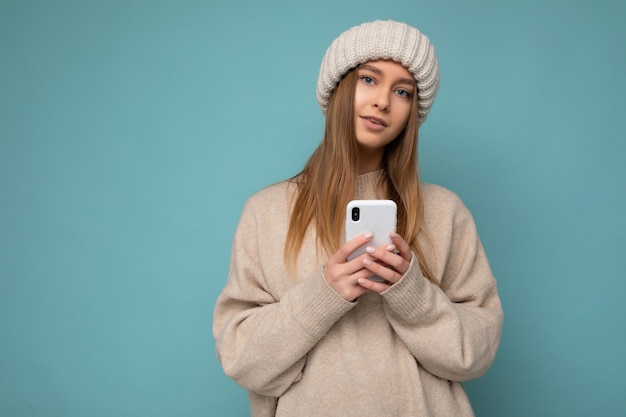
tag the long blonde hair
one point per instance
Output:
(328, 181)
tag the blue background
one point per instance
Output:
(132, 132)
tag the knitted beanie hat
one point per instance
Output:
(380, 40)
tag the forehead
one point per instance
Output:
(389, 68)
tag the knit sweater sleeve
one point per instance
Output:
(263, 335)
(453, 330)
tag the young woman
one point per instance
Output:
(302, 328)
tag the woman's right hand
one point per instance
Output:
(342, 274)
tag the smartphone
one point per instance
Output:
(377, 216)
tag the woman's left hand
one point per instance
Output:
(390, 262)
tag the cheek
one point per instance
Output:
(359, 96)
(403, 116)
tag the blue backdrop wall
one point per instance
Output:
(131, 133)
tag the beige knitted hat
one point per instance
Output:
(381, 40)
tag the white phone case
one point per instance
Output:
(377, 216)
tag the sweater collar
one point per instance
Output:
(368, 185)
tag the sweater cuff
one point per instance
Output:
(411, 296)
(317, 307)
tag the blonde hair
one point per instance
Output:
(328, 181)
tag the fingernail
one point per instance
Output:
(369, 235)
(393, 235)
(367, 262)
(391, 248)
(370, 249)
(361, 281)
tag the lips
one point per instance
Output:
(375, 120)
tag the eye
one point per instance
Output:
(403, 93)
(367, 79)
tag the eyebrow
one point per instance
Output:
(377, 71)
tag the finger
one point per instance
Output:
(403, 248)
(350, 246)
(351, 270)
(362, 273)
(373, 286)
(387, 256)
(352, 292)
(347, 285)
(382, 271)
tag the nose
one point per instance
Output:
(382, 102)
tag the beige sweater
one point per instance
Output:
(300, 349)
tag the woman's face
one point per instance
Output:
(382, 104)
